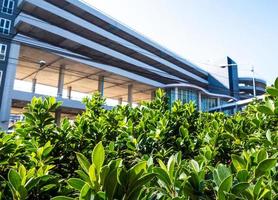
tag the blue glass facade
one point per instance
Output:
(184, 95)
(208, 102)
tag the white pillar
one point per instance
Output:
(176, 93)
(218, 101)
(101, 85)
(60, 86)
(120, 101)
(8, 81)
(61, 81)
(129, 94)
(200, 101)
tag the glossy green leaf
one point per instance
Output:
(276, 83)
(238, 188)
(62, 198)
(238, 162)
(242, 175)
(225, 186)
(84, 163)
(98, 156)
(85, 192)
(264, 166)
(195, 165)
(272, 91)
(14, 178)
(76, 183)
(92, 173)
(262, 155)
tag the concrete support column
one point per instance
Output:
(60, 86)
(153, 95)
(200, 101)
(58, 114)
(218, 101)
(176, 93)
(130, 94)
(8, 83)
(61, 81)
(34, 83)
(101, 85)
(120, 101)
(69, 92)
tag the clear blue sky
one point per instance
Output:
(206, 31)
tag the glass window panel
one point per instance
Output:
(3, 49)
(8, 6)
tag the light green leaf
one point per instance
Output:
(92, 173)
(22, 172)
(171, 166)
(238, 162)
(84, 163)
(195, 165)
(262, 155)
(14, 178)
(162, 165)
(268, 136)
(62, 198)
(98, 156)
(84, 192)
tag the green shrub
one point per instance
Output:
(148, 152)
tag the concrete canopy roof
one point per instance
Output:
(68, 21)
(94, 16)
(54, 35)
(82, 78)
(133, 54)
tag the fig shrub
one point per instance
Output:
(152, 151)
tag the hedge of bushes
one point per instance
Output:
(148, 152)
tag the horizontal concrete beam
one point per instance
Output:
(85, 60)
(96, 30)
(27, 97)
(98, 14)
(34, 22)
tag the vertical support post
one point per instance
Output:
(34, 83)
(61, 81)
(218, 102)
(153, 95)
(129, 94)
(200, 101)
(60, 86)
(101, 85)
(254, 82)
(120, 101)
(176, 93)
(69, 92)
(58, 114)
(8, 83)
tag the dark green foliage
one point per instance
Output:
(148, 152)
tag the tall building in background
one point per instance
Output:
(67, 49)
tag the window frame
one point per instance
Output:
(5, 28)
(1, 77)
(4, 52)
(8, 8)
